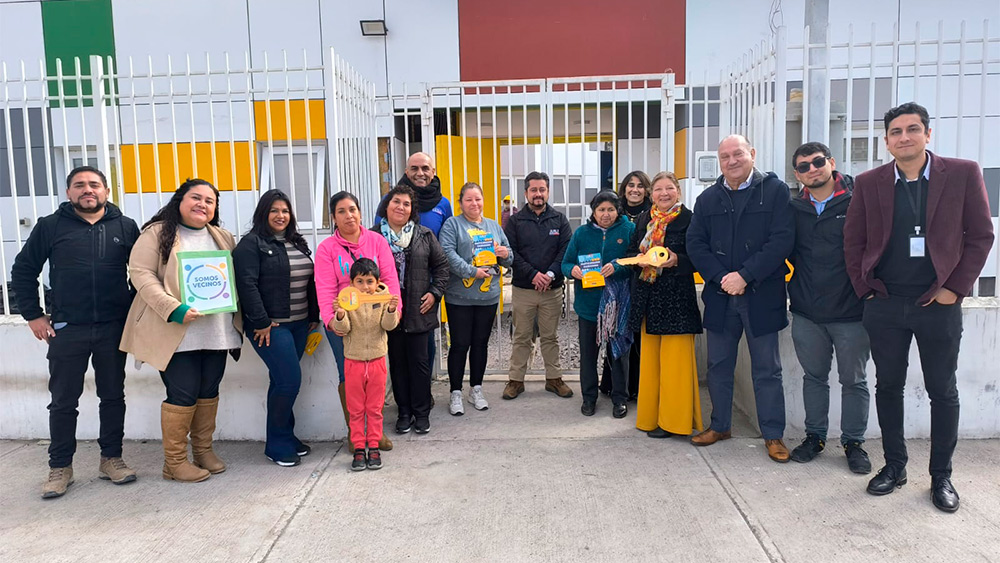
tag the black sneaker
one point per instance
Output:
(588, 408)
(808, 449)
(857, 458)
(374, 459)
(404, 424)
(288, 461)
(302, 449)
(422, 425)
(359, 460)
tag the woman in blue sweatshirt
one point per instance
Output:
(602, 310)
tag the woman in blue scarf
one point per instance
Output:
(423, 277)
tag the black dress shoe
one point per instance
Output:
(588, 408)
(887, 480)
(658, 433)
(619, 410)
(943, 494)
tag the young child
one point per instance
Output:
(365, 348)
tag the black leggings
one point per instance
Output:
(469, 327)
(194, 375)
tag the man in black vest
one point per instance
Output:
(826, 314)
(87, 242)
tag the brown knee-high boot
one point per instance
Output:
(385, 444)
(202, 428)
(175, 422)
(347, 417)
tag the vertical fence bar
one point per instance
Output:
(847, 166)
(310, 167)
(871, 100)
(27, 148)
(190, 96)
(961, 90)
(47, 140)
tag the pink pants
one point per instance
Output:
(365, 386)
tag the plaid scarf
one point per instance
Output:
(656, 232)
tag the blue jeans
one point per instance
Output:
(765, 370)
(337, 345)
(288, 342)
(815, 345)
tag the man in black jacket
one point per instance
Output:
(87, 242)
(538, 235)
(826, 313)
(739, 237)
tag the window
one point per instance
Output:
(288, 171)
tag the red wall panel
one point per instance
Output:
(508, 39)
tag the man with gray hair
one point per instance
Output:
(740, 235)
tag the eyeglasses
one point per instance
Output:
(818, 162)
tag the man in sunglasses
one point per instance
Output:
(916, 238)
(826, 314)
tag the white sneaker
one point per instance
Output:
(455, 405)
(476, 398)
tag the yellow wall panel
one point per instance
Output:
(172, 173)
(464, 158)
(280, 123)
(680, 154)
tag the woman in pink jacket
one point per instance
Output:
(334, 258)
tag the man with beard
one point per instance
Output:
(538, 235)
(826, 314)
(87, 242)
(916, 238)
(421, 176)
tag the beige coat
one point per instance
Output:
(366, 328)
(148, 336)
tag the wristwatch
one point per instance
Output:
(550, 274)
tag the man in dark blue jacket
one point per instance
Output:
(86, 242)
(739, 238)
(538, 235)
(826, 314)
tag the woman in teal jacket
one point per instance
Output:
(602, 310)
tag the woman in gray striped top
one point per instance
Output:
(274, 278)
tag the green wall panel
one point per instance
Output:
(76, 28)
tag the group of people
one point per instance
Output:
(877, 260)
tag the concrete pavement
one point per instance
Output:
(527, 480)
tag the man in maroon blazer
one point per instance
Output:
(917, 235)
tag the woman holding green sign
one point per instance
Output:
(183, 321)
(590, 256)
(274, 276)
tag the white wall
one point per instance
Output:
(978, 382)
(24, 395)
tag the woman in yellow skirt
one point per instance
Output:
(665, 309)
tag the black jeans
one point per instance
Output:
(588, 366)
(410, 373)
(470, 327)
(70, 350)
(194, 375)
(892, 324)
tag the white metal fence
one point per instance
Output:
(314, 127)
(306, 128)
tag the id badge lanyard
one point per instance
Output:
(918, 239)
